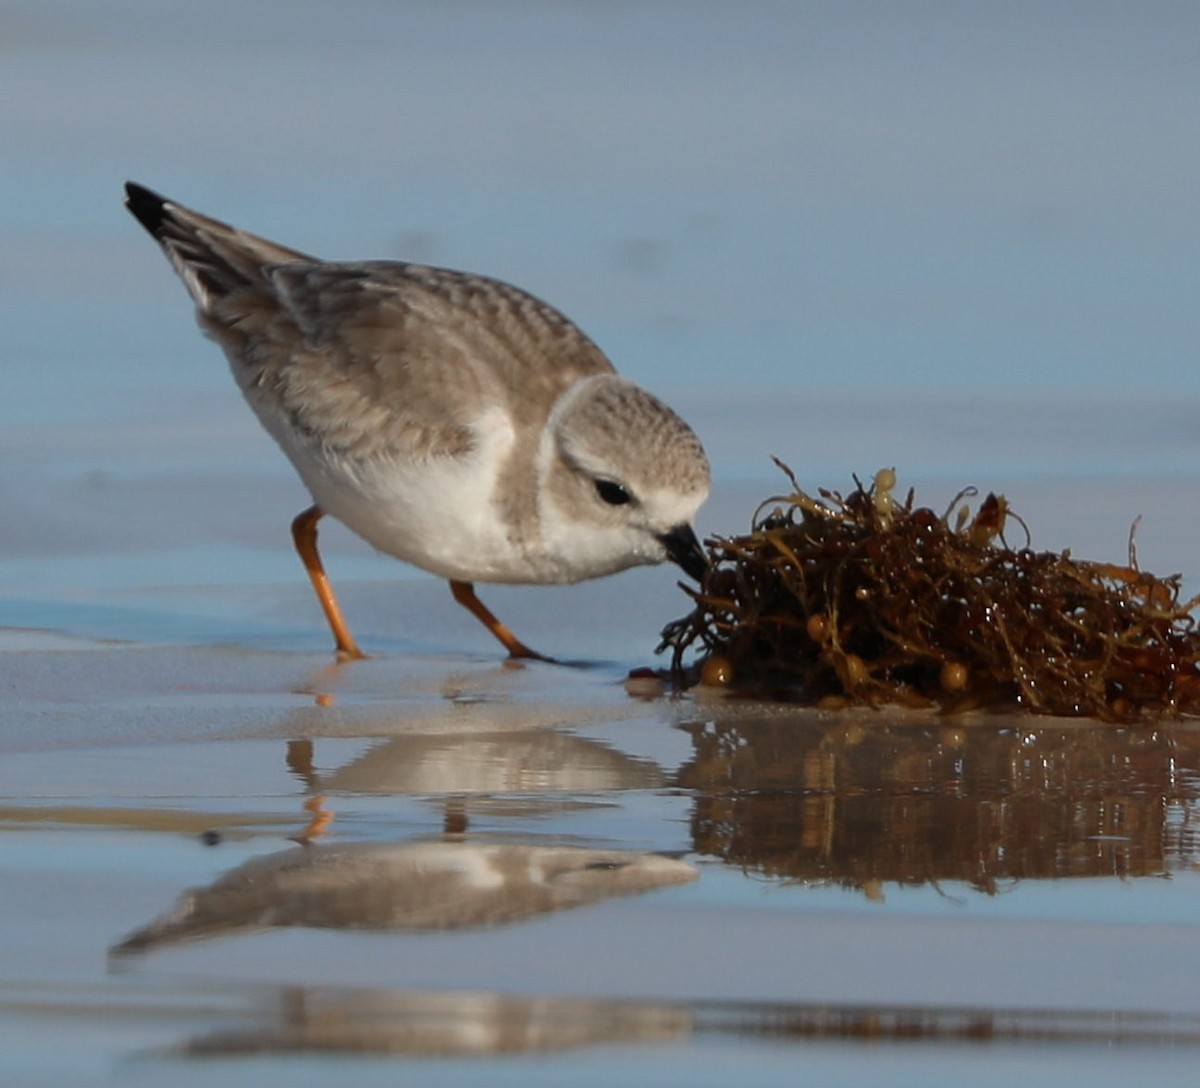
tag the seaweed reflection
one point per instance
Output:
(854, 805)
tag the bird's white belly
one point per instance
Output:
(438, 514)
(435, 517)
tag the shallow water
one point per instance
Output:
(854, 893)
(954, 241)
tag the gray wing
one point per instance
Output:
(373, 357)
(418, 352)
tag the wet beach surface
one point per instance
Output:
(225, 858)
(529, 864)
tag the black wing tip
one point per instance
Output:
(147, 207)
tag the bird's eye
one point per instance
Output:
(612, 492)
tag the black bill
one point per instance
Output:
(684, 549)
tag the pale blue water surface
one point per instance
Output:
(957, 239)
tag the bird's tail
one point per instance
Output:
(211, 257)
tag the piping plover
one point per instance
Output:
(451, 420)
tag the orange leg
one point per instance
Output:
(304, 533)
(464, 593)
(321, 818)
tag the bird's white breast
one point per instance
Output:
(437, 513)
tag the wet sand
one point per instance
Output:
(1000, 884)
(835, 886)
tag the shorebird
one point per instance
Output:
(451, 420)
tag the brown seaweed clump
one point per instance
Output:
(862, 600)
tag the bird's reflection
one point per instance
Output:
(860, 805)
(329, 1020)
(413, 886)
(481, 762)
(443, 1024)
(465, 773)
